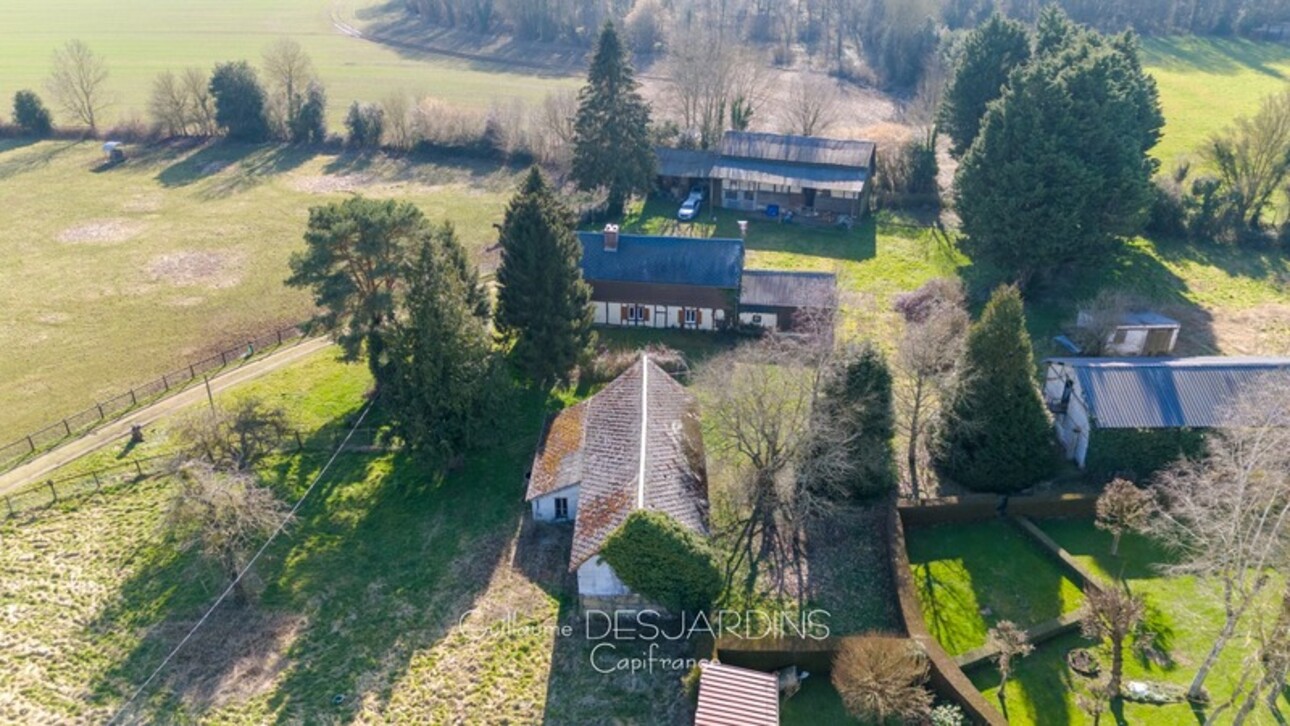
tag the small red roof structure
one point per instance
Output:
(730, 696)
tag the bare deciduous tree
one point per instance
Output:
(936, 322)
(1227, 515)
(1274, 657)
(1253, 158)
(201, 104)
(1123, 507)
(398, 120)
(813, 106)
(1094, 700)
(290, 71)
(1112, 614)
(77, 83)
(1012, 643)
(235, 438)
(713, 85)
(881, 678)
(170, 105)
(226, 514)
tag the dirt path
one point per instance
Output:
(115, 431)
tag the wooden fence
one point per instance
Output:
(49, 492)
(20, 449)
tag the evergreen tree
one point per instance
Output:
(1060, 168)
(239, 102)
(611, 131)
(310, 123)
(857, 401)
(990, 53)
(995, 435)
(365, 123)
(444, 384)
(30, 114)
(543, 302)
(354, 261)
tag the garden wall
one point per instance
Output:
(977, 507)
(946, 676)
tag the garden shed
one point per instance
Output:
(730, 696)
(1142, 332)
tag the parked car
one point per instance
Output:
(699, 190)
(690, 208)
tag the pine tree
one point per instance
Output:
(1060, 168)
(611, 131)
(543, 302)
(990, 54)
(995, 435)
(354, 261)
(444, 381)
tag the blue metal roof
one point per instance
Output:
(1166, 392)
(698, 261)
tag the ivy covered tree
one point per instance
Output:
(30, 114)
(611, 145)
(990, 53)
(657, 557)
(309, 125)
(239, 102)
(444, 382)
(1060, 168)
(355, 256)
(543, 303)
(857, 400)
(994, 435)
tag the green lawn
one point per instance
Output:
(971, 576)
(1183, 613)
(391, 584)
(116, 277)
(1205, 83)
(141, 38)
(816, 704)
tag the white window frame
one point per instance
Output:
(691, 316)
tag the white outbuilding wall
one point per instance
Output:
(544, 506)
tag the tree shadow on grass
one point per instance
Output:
(1130, 267)
(226, 168)
(14, 163)
(1215, 55)
(383, 559)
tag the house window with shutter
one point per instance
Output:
(635, 314)
(691, 316)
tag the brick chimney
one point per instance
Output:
(611, 238)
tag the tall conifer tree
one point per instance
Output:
(611, 131)
(990, 53)
(543, 303)
(995, 435)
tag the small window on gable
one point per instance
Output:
(561, 508)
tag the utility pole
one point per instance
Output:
(209, 396)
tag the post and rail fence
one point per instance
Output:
(19, 450)
(48, 492)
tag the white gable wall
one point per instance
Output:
(1073, 425)
(596, 578)
(544, 506)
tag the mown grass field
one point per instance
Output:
(114, 277)
(1183, 614)
(396, 595)
(1206, 83)
(141, 38)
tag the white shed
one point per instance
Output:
(1138, 333)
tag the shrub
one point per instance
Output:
(239, 102)
(365, 123)
(881, 679)
(30, 114)
(663, 561)
(1139, 453)
(609, 363)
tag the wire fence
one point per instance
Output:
(20, 449)
(49, 492)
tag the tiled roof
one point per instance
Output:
(783, 289)
(598, 445)
(1166, 392)
(796, 149)
(697, 261)
(730, 696)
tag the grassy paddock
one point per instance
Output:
(126, 273)
(141, 38)
(380, 596)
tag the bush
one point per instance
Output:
(1137, 454)
(365, 123)
(663, 561)
(30, 114)
(239, 102)
(881, 679)
(609, 363)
